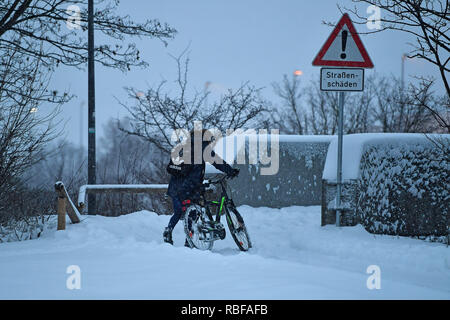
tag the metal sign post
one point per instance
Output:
(339, 159)
(343, 49)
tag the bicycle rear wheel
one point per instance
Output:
(238, 229)
(193, 221)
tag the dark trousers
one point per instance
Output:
(177, 212)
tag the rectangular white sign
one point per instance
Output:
(341, 79)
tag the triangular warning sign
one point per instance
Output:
(343, 48)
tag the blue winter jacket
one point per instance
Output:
(187, 187)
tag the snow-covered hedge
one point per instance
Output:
(404, 188)
(400, 183)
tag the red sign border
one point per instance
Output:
(367, 63)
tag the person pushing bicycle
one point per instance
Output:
(186, 180)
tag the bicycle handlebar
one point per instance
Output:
(217, 181)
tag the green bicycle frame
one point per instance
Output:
(221, 205)
(225, 200)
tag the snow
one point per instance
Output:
(353, 148)
(305, 138)
(293, 258)
(228, 147)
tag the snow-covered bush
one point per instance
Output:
(404, 188)
(25, 213)
(26, 228)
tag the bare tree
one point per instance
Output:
(27, 124)
(23, 131)
(435, 107)
(416, 109)
(359, 108)
(128, 159)
(308, 110)
(28, 208)
(291, 117)
(28, 212)
(38, 29)
(384, 105)
(427, 21)
(36, 36)
(155, 114)
(323, 110)
(62, 161)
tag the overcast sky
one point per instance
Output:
(230, 42)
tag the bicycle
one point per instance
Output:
(202, 229)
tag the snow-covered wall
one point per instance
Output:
(298, 180)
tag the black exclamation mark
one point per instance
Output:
(344, 43)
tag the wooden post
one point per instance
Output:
(61, 213)
(71, 210)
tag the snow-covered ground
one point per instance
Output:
(293, 258)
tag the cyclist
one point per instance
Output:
(186, 185)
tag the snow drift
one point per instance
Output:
(293, 258)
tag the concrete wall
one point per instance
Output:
(298, 181)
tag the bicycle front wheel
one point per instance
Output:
(238, 229)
